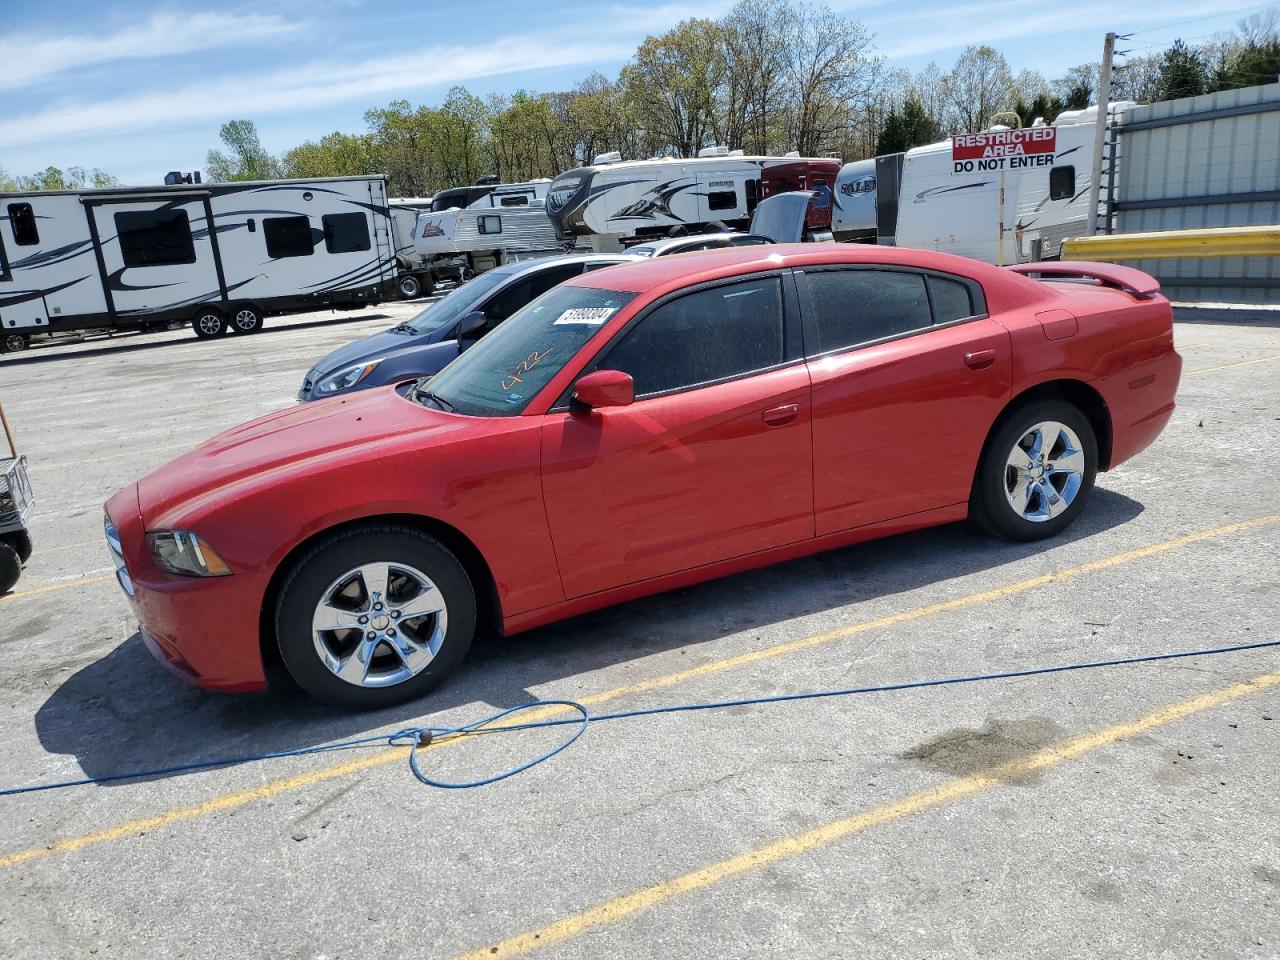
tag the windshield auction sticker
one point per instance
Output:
(591, 316)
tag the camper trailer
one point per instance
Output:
(486, 236)
(221, 256)
(413, 278)
(488, 192)
(613, 202)
(921, 201)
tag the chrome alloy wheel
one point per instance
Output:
(1044, 471)
(210, 324)
(246, 320)
(379, 624)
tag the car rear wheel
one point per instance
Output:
(208, 323)
(375, 616)
(1037, 472)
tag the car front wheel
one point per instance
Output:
(375, 616)
(1037, 472)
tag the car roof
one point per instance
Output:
(544, 263)
(667, 242)
(659, 275)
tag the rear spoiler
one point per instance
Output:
(1128, 279)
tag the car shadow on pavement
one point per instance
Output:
(131, 342)
(124, 713)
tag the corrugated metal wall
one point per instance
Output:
(1210, 161)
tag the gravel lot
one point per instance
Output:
(1131, 811)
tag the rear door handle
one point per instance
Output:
(980, 359)
(782, 415)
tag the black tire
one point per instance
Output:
(330, 561)
(208, 323)
(409, 286)
(20, 540)
(10, 568)
(244, 318)
(13, 342)
(989, 504)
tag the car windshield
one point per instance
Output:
(449, 308)
(644, 250)
(504, 371)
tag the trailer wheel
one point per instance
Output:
(208, 323)
(245, 318)
(409, 286)
(20, 540)
(10, 568)
(13, 343)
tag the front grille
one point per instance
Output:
(117, 554)
(16, 498)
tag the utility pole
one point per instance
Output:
(1100, 131)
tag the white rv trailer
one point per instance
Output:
(219, 255)
(934, 208)
(487, 236)
(614, 202)
(853, 214)
(488, 192)
(413, 276)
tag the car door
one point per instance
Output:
(711, 461)
(908, 375)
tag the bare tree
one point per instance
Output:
(978, 86)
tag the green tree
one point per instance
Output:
(1183, 73)
(334, 155)
(73, 178)
(906, 128)
(244, 159)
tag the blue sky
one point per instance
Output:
(140, 88)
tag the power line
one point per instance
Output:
(1212, 16)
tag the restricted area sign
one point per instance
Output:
(997, 150)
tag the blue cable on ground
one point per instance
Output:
(418, 737)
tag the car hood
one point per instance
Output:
(299, 439)
(372, 347)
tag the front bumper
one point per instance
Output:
(203, 630)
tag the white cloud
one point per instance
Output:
(311, 85)
(32, 59)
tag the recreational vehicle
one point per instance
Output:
(222, 256)
(923, 199)
(488, 192)
(487, 236)
(614, 202)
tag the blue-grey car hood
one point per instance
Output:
(402, 357)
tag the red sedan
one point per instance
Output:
(638, 429)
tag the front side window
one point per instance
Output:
(1062, 183)
(849, 307)
(345, 232)
(155, 238)
(518, 294)
(23, 221)
(490, 224)
(288, 237)
(503, 372)
(703, 337)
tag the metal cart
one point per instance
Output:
(16, 501)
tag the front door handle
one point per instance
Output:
(779, 416)
(980, 359)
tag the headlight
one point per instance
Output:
(345, 379)
(184, 553)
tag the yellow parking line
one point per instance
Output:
(239, 798)
(620, 908)
(82, 581)
(1226, 366)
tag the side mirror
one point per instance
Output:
(471, 328)
(605, 388)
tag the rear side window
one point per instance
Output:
(951, 300)
(345, 232)
(288, 237)
(1062, 183)
(23, 221)
(849, 307)
(155, 238)
(704, 337)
